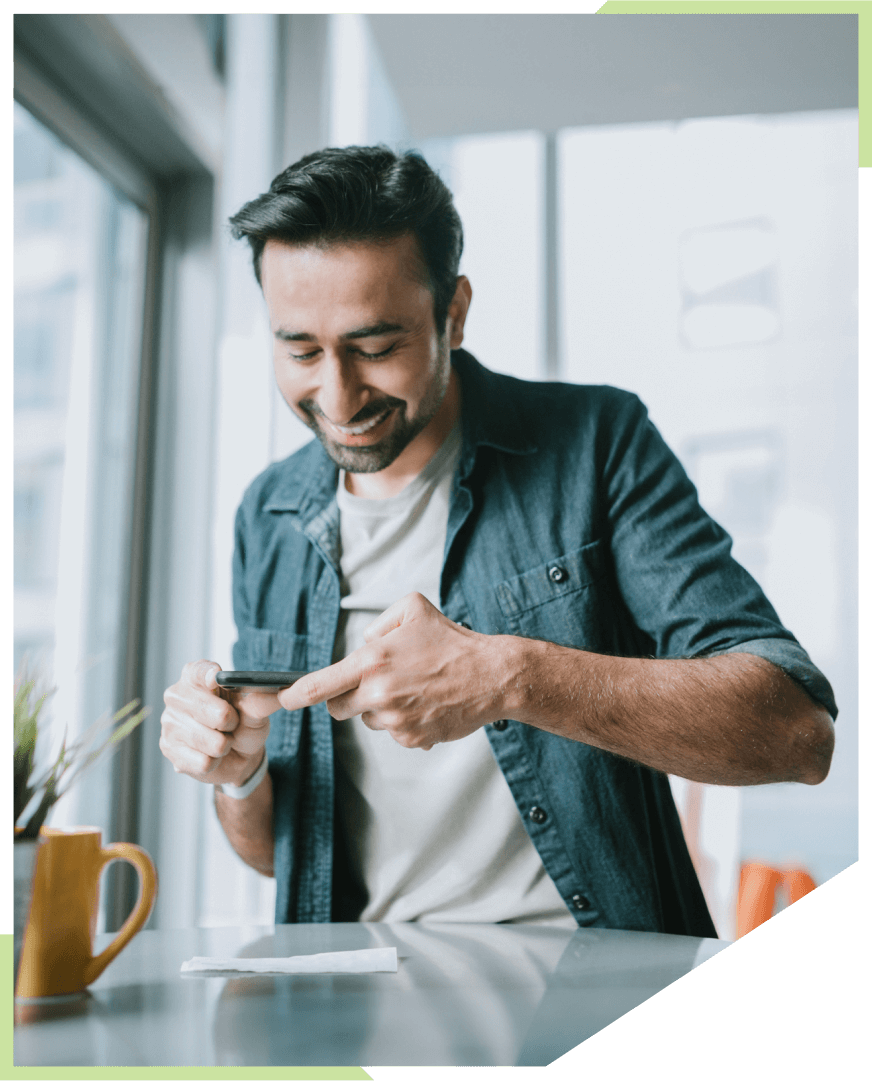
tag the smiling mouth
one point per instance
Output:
(359, 429)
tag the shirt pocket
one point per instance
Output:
(564, 600)
(260, 650)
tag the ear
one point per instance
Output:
(457, 311)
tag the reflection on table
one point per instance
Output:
(464, 995)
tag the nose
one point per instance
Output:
(341, 394)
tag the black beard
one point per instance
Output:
(379, 456)
(374, 458)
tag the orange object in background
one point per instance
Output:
(758, 889)
(797, 883)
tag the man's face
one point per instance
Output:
(356, 352)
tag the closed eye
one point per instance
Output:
(360, 352)
(376, 356)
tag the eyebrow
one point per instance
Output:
(374, 331)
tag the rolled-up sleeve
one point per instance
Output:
(792, 658)
(674, 566)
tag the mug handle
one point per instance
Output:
(123, 850)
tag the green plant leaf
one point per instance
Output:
(78, 767)
(102, 737)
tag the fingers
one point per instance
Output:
(408, 607)
(328, 684)
(325, 684)
(191, 748)
(410, 736)
(201, 674)
(388, 621)
(424, 684)
(208, 736)
(254, 706)
(196, 721)
(186, 759)
(251, 735)
(191, 696)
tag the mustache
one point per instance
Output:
(370, 410)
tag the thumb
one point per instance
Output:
(400, 612)
(254, 707)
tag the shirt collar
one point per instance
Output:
(491, 411)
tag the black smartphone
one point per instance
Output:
(258, 681)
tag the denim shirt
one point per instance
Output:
(570, 521)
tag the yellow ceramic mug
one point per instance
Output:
(57, 954)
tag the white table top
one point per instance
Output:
(464, 995)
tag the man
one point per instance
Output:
(515, 577)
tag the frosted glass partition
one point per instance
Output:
(711, 267)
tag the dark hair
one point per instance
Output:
(358, 193)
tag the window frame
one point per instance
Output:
(37, 91)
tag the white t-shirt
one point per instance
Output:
(434, 835)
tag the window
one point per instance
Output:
(80, 256)
(497, 181)
(722, 290)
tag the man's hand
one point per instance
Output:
(420, 677)
(215, 736)
(734, 719)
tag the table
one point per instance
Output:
(464, 995)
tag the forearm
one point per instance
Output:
(248, 825)
(735, 719)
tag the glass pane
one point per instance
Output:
(711, 267)
(79, 270)
(497, 181)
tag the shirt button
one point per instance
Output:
(500, 726)
(558, 574)
(464, 624)
(580, 902)
(538, 815)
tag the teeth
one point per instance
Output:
(359, 429)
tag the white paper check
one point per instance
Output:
(383, 959)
